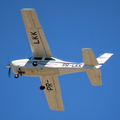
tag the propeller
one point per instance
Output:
(9, 72)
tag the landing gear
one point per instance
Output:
(42, 87)
(35, 63)
(19, 73)
(16, 76)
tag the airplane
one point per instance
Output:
(48, 68)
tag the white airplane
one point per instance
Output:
(44, 65)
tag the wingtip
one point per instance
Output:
(27, 9)
(110, 54)
(58, 109)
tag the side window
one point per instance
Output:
(49, 59)
(37, 58)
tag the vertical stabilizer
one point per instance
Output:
(89, 57)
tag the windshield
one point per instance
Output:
(40, 58)
(49, 59)
(35, 58)
(30, 58)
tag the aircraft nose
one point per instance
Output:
(8, 66)
(15, 63)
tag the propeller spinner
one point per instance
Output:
(9, 72)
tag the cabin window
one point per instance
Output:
(37, 58)
(49, 59)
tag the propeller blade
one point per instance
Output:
(9, 66)
(9, 72)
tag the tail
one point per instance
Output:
(90, 60)
(103, 58)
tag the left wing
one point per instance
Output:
(37, 39)
(53, 92)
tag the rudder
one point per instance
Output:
(89, 57)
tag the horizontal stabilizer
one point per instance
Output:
(89, 57)
(103, 58)
(94, 76)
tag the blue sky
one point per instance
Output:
(69, 26)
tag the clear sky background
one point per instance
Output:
(69, 26)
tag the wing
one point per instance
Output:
(53, 92)
(37, 39)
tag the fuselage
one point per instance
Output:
(45, 67)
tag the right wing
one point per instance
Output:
(53, 92)
(38, 42)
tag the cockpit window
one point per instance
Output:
(49, 59)
(37, 58)
(40, 58)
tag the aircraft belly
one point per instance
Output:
(49, 71)
(40, 71)
(70, 70)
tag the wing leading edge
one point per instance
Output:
(37, 39)
(53, 92)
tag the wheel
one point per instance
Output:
(42, 87)
(16, 76)
(35, 63)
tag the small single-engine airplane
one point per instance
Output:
(44, 65)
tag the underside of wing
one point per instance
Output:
(37, 39)
(53, 92)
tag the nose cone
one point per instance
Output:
(8, 66)
(19, 63)
(16, 63)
